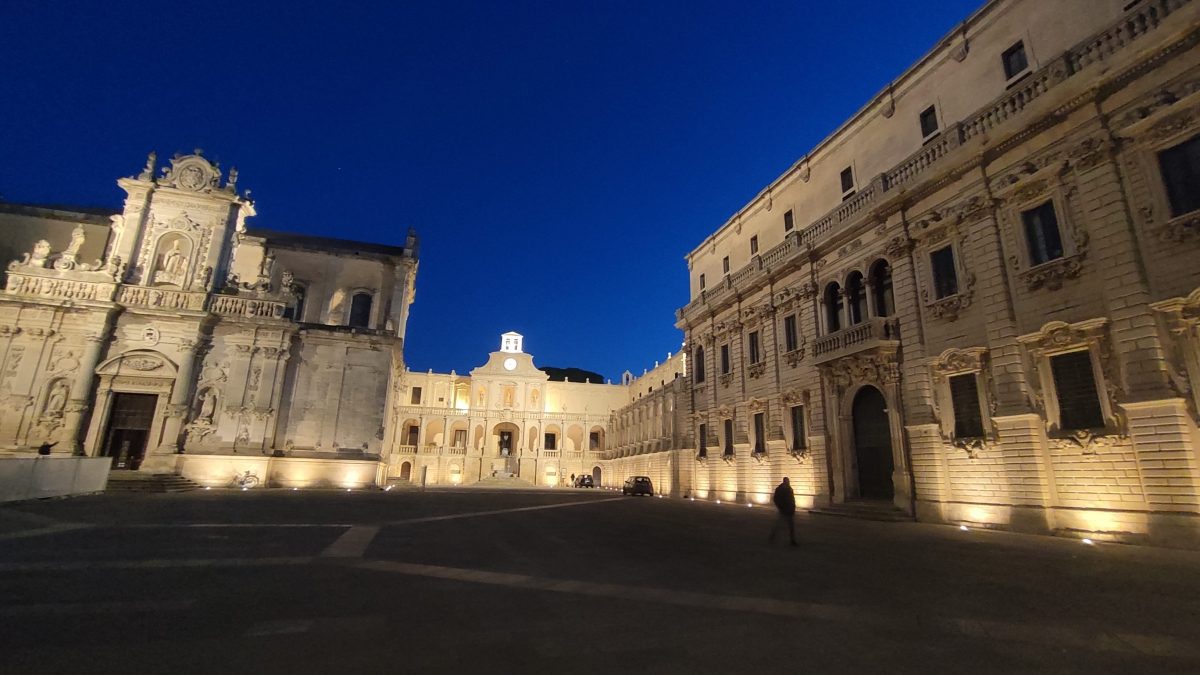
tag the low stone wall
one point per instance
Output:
(285, 472)
(1174, 530)
(23, 478)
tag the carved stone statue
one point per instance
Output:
(67, 260)
(77, 237)
(148, 172)
(173, 265)
(208, 406)
(41, 251)
(56, 400)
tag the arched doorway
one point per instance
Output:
(873, 445)
(406, 471)
(596, 476)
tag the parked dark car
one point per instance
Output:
(584, 481)
(638, 485)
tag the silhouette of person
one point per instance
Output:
(785, 502)
(44, 448)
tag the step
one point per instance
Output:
(124, 482)
(880, 511)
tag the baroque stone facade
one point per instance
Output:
(972, 301)
(197, 344)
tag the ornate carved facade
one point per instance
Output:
(1006, 304)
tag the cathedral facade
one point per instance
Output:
(173, 338)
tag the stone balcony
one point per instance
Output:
(870, 334)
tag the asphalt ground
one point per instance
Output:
(566, 581)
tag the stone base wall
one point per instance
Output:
(283, 472)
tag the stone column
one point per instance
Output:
(80, 391)
(178, 406)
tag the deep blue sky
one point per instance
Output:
(557, 158)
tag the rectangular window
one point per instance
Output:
(551, 442)
(847, 183)
(1041, 231)
(703, 441)
(964, 396)
(460, 438)
(929, 122)
(945, 278)
(755, 356)
(790, 338)
(724, 359)
(799, 437)
(1075, 384)
(788, 223)
(760, 432)
(1014, 59)
(701, 282)
(698, 365)
(594, 440)
(729, 437)
(416, 396)
(725, 264)
(1181, 172)
(753, 244)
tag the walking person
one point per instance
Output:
(785, 502)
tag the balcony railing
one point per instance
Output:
(1141, 19)
(872, 333)
(39, 286)
(231, 305)
(160, 298)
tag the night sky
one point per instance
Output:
(558, 159)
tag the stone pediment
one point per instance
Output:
(510, 365)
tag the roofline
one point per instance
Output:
(282, 238)
(904, 77)
(94, 214)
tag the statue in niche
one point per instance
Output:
(533, 399)
(208, 406)
(56, 400)
(482, 396)
(509, 395)
(171, 268)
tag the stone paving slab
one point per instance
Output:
(450, 582)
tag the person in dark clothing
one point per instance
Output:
(44, 448)
(785, 502)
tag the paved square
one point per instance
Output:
(564, 581)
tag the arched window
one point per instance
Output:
(360, 310)
(881, 286)
(833, 308)
(856, 299)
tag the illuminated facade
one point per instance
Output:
(507, 420)
(172, 337)
(977, 300)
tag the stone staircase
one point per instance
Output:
(865, 510)
(502, 482)
(127, 482)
